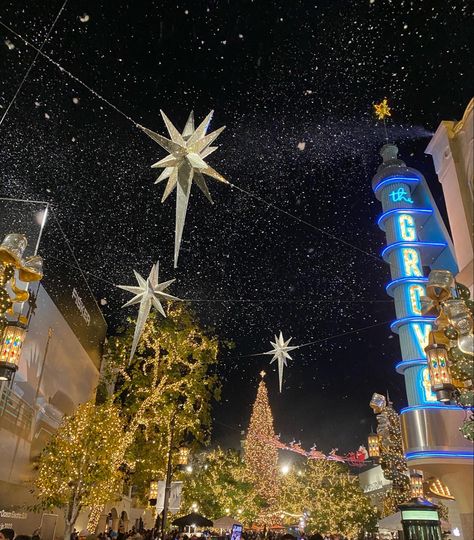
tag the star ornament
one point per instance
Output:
(185, 163)
(150, 292)
(382, 110)
(280, 351)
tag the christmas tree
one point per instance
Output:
(392, 459)
(261, 457)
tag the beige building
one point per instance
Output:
(58, 369)
(452, 150)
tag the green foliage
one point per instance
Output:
(171, 377)
(80, 466)
(392, 460)
(331, 496)
(219, 487)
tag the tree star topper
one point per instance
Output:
(149, 293)
(382, 109)
(280, 351)
(184, 164)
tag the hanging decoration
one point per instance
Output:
(382, 110)
(11, 259)
(150, 292)
(355, 459)
(280, 351)
(184, 164)
(450, 351)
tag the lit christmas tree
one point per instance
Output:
(261, 457)
(392, 459)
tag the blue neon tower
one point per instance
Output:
(417, 241)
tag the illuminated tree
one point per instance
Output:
(80, 466)
(261, 457)
(392, 459)
(173, 371)
(169, 381)
(331, 497)
(219, 486)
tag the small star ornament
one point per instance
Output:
(150, 292)
(382, 110)
(280, 351)
(184, 164)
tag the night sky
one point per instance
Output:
(294, 82)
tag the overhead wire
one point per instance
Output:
(136, 124)
(30, 67)
(39, 51)
(355, 331)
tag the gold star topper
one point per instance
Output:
(382, 109)
(262, 374)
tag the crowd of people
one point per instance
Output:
(155, 534)
(9, 534)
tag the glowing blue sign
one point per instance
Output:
(400, 195)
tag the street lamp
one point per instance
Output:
(416, 483)
(12, 333)
(183, 455)
(153, 493)
(373, 442)
(12, 339)
(441, 380)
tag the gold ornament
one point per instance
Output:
(382, 110)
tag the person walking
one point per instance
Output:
(7, 534)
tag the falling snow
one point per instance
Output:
(295, 89)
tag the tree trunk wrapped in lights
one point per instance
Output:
(392, 457)
(129, 431)
(261, 457)
(79, 466)
(393, 462)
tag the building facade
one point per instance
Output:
(58, 368)
(452, 149)
(417, 242)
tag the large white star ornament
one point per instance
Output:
(184, 164)
(150, 292)
(280, 351)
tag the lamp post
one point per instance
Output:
(13, 333)
(169, 471)
(12, 338)
(183, 456)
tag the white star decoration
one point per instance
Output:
(280, 351)
(149, 293)
(184, 164)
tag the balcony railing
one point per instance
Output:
(16, 415)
